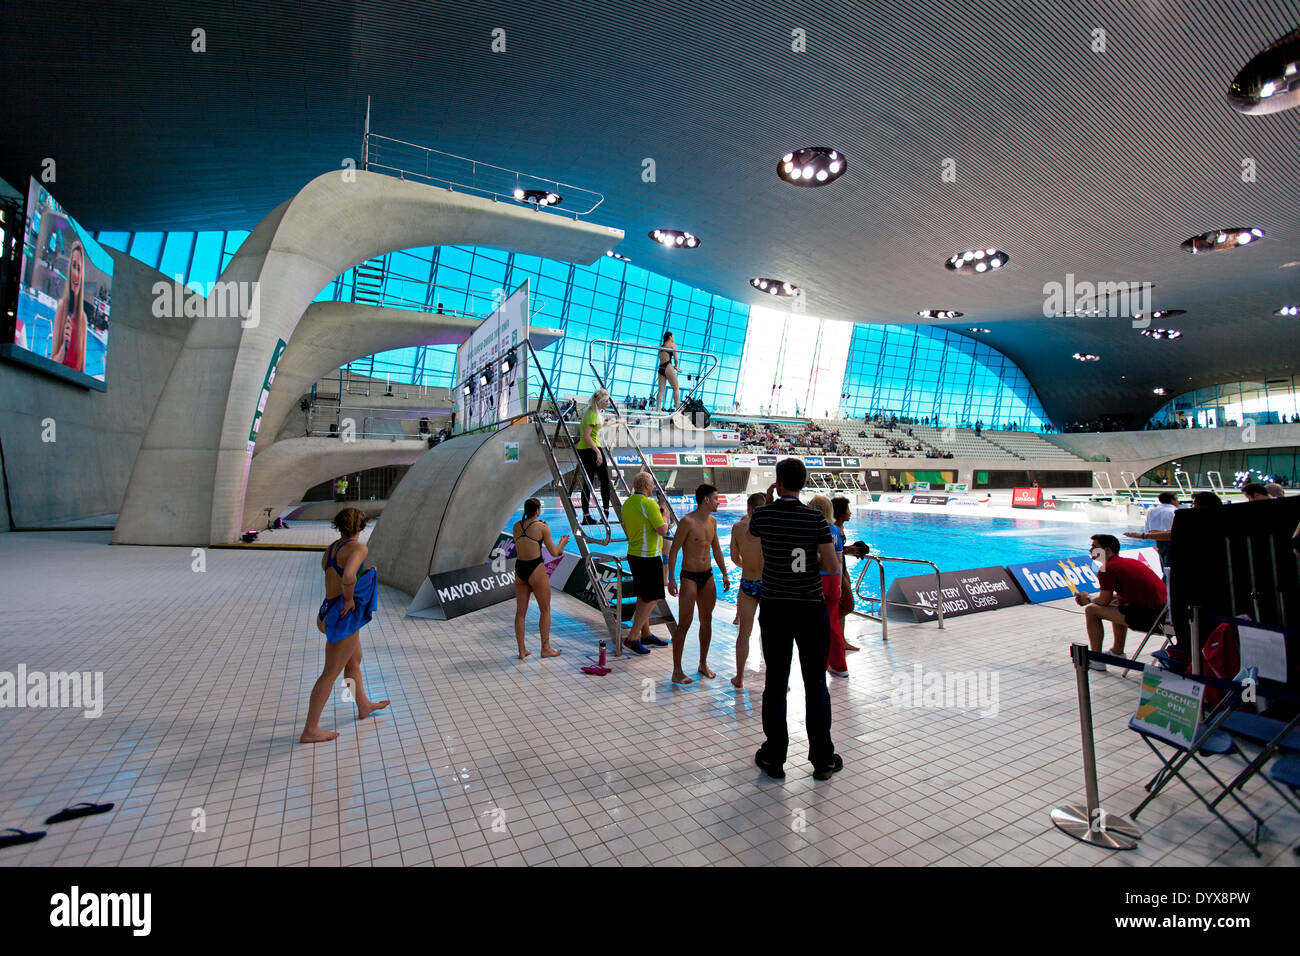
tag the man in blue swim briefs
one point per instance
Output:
(747, 554)
(350, 598)
(697, 536)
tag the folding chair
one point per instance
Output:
(1159, 625)
(1286, 771)
(1209, 741)
(1272, 737)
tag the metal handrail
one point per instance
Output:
(562, 424)
(591, 361)
(371, 161)
(423, 306)
(880, 560)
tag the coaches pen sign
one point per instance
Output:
(453, 593)
(964, 592)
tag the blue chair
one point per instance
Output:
(1209, 741)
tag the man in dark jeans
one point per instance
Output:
(796, 547)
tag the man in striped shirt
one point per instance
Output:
(797, 546)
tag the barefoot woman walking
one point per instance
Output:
(531, 535)
(348, 606)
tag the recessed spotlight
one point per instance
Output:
(674, 238)
(940, 314)
(1288, 310)
(1218, 239)
(974, 329)
(976, 260)
(614, 255)
(812, 166)
(1161, 335)
(538, 197)
(1269, 83)
(1086, 357)
(775, 287)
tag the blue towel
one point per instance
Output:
(365, 596)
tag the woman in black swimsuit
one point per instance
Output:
(531, 535)
(668, 371)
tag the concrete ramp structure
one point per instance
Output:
(189, 480)
(449, 508)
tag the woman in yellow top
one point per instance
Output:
(592, 455)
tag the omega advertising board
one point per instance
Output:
(1026, 497)
(964, 592)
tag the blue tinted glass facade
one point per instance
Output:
(920, 371)
(912, 371)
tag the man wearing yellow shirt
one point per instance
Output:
(645, 527)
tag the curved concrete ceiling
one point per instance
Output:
(1074, 160)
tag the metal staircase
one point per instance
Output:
(605, 568)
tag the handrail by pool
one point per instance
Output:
(880, 560)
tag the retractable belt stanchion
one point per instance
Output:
(1090, 823)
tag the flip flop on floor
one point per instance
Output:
(14, 837)
(78, 810)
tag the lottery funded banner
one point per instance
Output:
(963, 592)
(1169, 706)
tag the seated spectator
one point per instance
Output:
(1254, 491)
(1275, 490)
(1131, 596)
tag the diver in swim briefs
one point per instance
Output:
(697, 536)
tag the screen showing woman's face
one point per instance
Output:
(74, 271)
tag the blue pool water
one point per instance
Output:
(953, 542)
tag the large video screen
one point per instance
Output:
(64, 295)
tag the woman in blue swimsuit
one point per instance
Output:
(350, 595)
(531, 535)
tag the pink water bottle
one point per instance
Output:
(602, 653)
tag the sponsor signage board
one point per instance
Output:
(663, 459)
(1056, 578)
(715, 459)
(627, 460)
(815, 461)
(929, 499)
(767, 459)
(690, 459)
(1026, 497)
(742, 460)
(453, 593)
(854, 463)
(834, 462)
(727, 436)
(956, 486)
(963, 592)
(920, 486)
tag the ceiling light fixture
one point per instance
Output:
(812, 166)
(940, 314)
(1217, 240)
(1086, 357)
(674, 238)
(775, 287)
(614, 255)
(1270, 82)
(1160, 390)
(1162, 334)
(973, 329)
(1288, 310)
(976, 260)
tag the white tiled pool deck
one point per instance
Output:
(482, 759)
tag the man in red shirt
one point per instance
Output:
(1132, 595)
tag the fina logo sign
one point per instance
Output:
(1057, 578)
